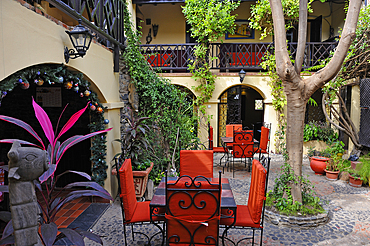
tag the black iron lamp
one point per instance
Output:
(155, 29)
(81, 40)
(241, 75)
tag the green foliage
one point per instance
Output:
(58, 74)
(281, 197)
(364, 170)
(161, 101)
(319, 131)
(134, 142)
(261, 15)
(209, 20)
(356, 47)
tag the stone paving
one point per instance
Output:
(349, 214)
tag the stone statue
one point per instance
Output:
(25, 165)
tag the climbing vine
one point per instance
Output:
(209, 20)
(161, 101)
(59, 74)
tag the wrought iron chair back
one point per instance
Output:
(192, 211)
(243, 147)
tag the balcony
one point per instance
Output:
(229, 56)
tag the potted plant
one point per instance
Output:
(355, 179)
(334, 166)
(319, 161)
(363, 168)
(136, 146)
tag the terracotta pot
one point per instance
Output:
(355, 182)
(141, 180)
(318, 164)
(332, 175)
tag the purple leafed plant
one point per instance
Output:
(53, 200)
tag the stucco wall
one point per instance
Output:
(223, 82)
(28, 38)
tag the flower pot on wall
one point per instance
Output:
(355, 182)
(332, 175)
(318, 164)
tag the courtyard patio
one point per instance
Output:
(348, 210)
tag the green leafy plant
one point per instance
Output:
(281, 198)
(164, 104)
(364, 170)
(51, 201)
(319, 131)
(209, 20)
(335, 149)
(134, 143)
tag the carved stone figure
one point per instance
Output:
(25, 165)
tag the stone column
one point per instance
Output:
(25, 165)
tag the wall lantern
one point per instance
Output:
(241, 75)
(155, 29)
(81, 40)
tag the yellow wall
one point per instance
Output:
(355, 111)
(28, 38)
(223, 82)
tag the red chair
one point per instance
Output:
(264, 144)
(196, 162)
(215, 149)
(242, 147)
(193, 211)
(250, 216)
(134, 212)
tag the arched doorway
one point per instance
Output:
(240, 104)
(53, 87)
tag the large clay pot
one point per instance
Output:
(318, 164)
(355, 182)
(332, 175)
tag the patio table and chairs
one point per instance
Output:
(196, 208)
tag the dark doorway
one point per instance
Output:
(240, 104)
(18, 104)
(315, 29)
(188, 37)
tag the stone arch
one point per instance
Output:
(52, 85)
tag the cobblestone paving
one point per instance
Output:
(349, 212)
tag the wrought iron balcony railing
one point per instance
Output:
(229, 56)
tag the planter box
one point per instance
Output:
(354, 181)
(141, 180)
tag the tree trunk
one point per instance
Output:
(296, 108)
(297, 90)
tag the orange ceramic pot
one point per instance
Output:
(318, 164)
(332, 175)
(355, 182)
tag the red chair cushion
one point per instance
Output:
(258, 150)
(230, 131)
(264, 138)
(142, 213)
(196, 162)
(257, 191)
(243, 218)
(127, 189)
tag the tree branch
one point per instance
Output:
(302, 34)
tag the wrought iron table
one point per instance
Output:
(228, 205)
